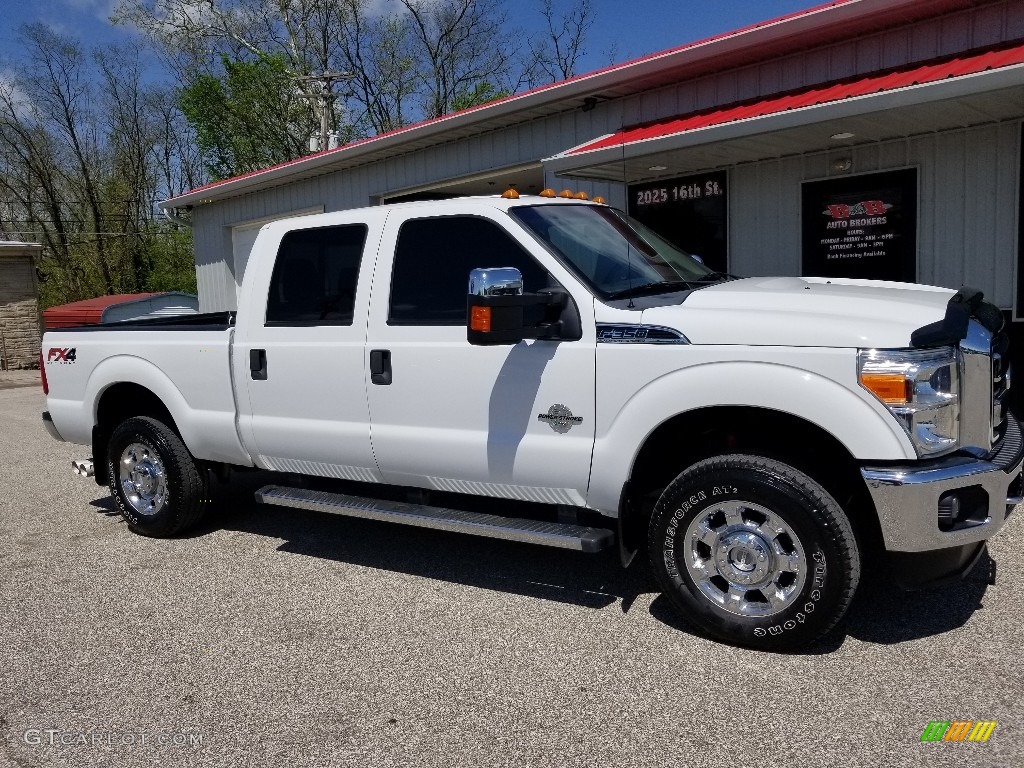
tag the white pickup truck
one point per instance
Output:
(765, 440)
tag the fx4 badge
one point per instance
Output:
(560, 418)
(61, 355)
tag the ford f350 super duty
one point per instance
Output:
(550, 371)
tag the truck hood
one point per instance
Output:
(804, 312)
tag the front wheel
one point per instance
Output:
(154, 480)
(754, 552)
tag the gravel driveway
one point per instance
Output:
(280, 638)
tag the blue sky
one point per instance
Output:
(633, 27)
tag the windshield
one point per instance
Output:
(615, 254)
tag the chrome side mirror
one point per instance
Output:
(496, 281)
(495, 308)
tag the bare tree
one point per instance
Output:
(179, 165)
(380, 52)
(557, 50)
(85, 149)
(465, 45)
(31, 184)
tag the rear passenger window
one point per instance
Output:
(314, 280)
(433, 260)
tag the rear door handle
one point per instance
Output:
(380, 366)
(258, 364)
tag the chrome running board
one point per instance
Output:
(563, 535)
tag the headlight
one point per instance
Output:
(921, 388)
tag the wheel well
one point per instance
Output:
(118, 403)
(690, 437)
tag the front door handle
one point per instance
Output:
(258, 364)
(380, 366)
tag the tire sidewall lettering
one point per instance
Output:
(127, 511)
(792, 618)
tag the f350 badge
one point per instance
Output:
(560, 418)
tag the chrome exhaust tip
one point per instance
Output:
(83, 467)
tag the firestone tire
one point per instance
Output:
(154, 480)
(754, 552)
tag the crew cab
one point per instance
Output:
(547, 370)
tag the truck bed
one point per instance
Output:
(184, 361)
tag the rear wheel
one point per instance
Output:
(153, 478)
(754, 552)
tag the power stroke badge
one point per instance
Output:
(560, 418)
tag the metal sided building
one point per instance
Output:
(861, 138)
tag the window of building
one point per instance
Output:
(433, 260)
(315, 276)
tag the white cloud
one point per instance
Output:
(101, 9)
(22, 103)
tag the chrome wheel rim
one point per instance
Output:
(142, 478)
(745, 559)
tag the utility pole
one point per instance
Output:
(325, 97)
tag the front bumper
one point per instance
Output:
(907, 496)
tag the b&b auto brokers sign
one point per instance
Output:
(861, 226)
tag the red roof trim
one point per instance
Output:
(823, 94)
(540, 89)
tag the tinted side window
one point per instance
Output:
(314, 280)
(433, 260)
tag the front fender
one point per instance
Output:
(853, 417)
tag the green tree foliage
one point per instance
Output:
(171, 263)
(481, 93)
(249, 116)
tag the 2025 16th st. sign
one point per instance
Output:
(861, 226)
(689, 211)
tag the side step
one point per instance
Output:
(562, 535)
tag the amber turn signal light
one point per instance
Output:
(480, 319)
(890, 388)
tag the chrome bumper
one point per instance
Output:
(907, 497)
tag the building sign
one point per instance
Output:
(861, 226)
(689, 211)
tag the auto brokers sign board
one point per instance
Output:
(861, 226)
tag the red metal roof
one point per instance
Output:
(86, 312)
(847, 89)
(816, 25)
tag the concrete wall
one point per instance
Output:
(19, 306)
